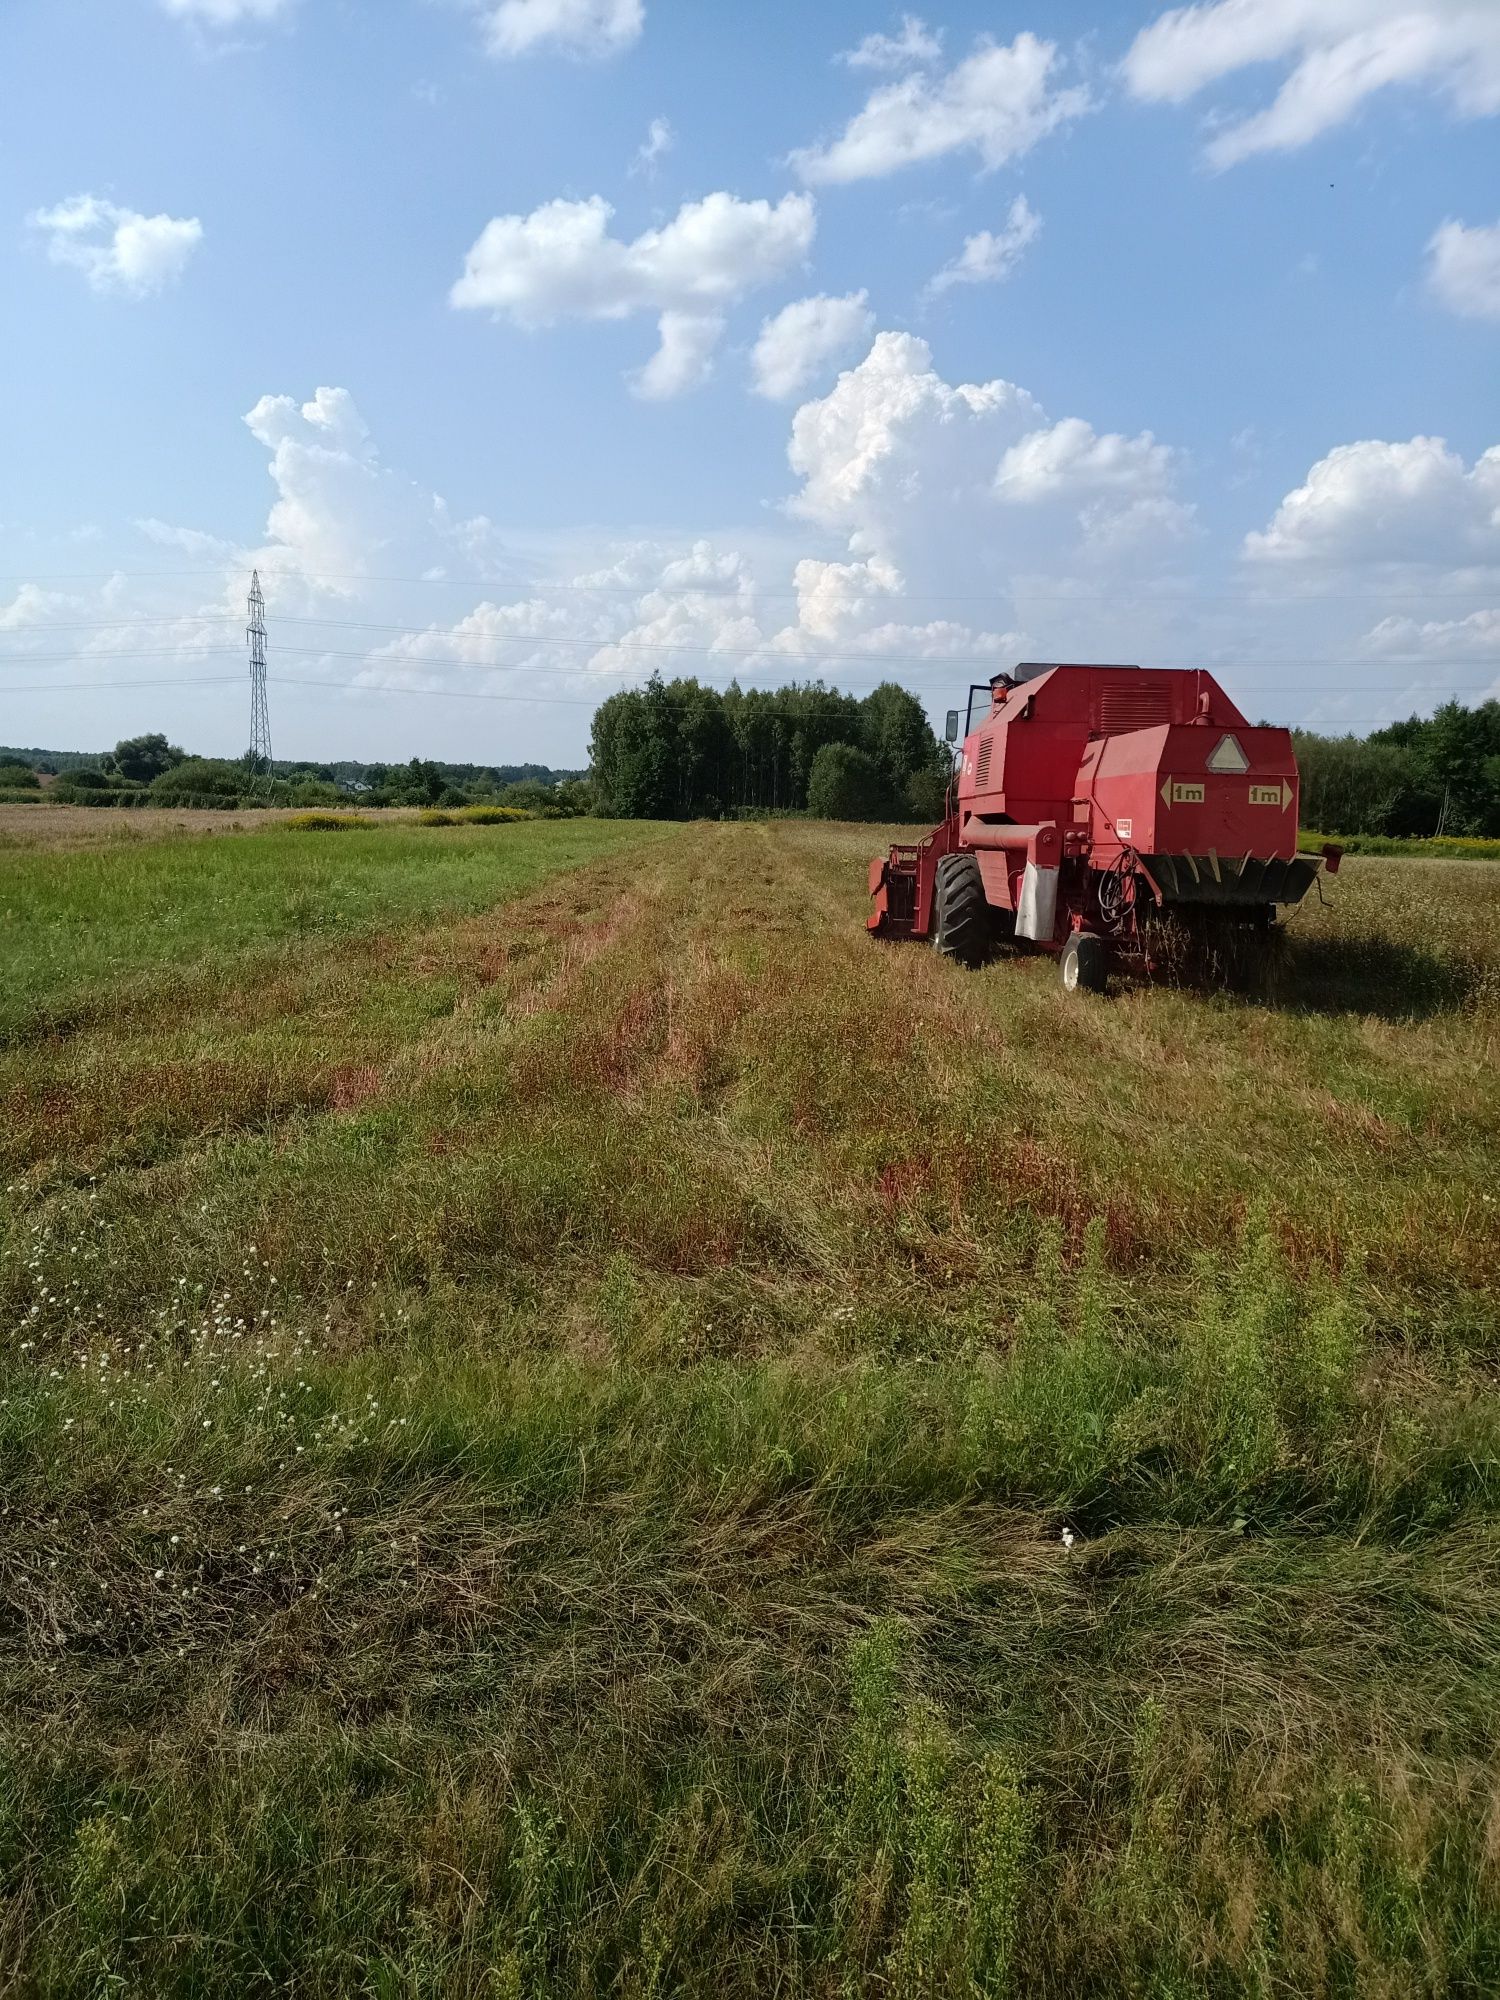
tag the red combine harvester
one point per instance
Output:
(1126, 819)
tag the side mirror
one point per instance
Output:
(951, 732)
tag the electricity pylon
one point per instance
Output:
(260, 711)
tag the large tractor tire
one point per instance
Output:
(961, 920)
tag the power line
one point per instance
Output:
(68, 687)
(555, 701)
(766, 655)
(448, 694)
(1398, 691)
(931, 659)
(1252, 595)
(442, 694)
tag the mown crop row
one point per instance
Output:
(593, 1431)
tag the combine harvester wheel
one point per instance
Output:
(1085, 963)
(961, 929)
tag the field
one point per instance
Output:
(51, 826)
(572, 1426)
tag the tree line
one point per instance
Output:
(150, 771)
(1426, 776)
(679, 750)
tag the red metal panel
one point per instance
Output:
(995, 870)
(1154, 790)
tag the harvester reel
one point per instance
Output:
(961, 926)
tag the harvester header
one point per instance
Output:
(1115, 815)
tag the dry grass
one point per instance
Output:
(628, 1440)
(71, 827)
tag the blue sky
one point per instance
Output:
(1163, 319)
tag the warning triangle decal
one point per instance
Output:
(1228, 756)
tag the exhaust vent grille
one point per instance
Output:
(982, 769)
(1122, 708)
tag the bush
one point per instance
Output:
(567, 799)
(844, 783)
(202, 782)
(139, 759)
(97, 788)
(1446, 847)
(472, 816)
(16, 777)
(314, 792)
(325, 822)
(924, 796)
(20, 798)
(490, 815)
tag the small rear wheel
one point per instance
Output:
(961, 927)
(1085, 963)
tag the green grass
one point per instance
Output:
(77, 927)
(595, 1432)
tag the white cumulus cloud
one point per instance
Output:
(847, 605)
(117, 249)
(226, 13)
(1071, 458)
(495, 640)
(997, 102)
(949, 480)
(1338, 54)
(561, 262)
(340, 515)
(913, 44)
(803, 338)
(1463, 269)
(1378, 502)
(577, 27)
(1439, 638)
(684, 356)
(659, 139)
(992, 254)
(192, 541)
(30, 606)
(892, 433)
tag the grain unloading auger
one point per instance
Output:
(1124, 818)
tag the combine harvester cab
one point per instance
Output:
(1127, 819)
